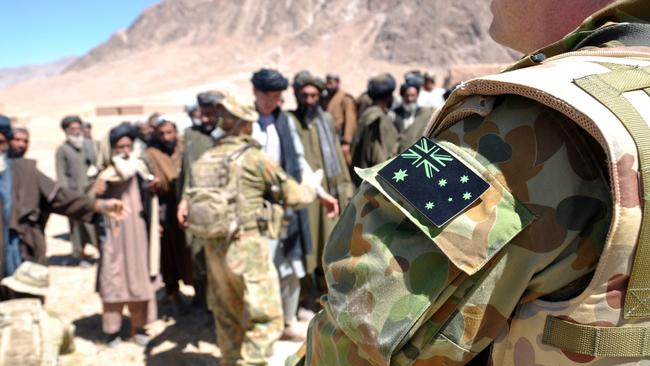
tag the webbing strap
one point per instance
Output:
(597, 341)
(608, 89)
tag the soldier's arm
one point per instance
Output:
(401, 291)
(282, 186)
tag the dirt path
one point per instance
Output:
(184, 340)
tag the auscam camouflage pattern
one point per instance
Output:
(535, 272)
(244, 283)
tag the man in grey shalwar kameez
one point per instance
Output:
(75, 161)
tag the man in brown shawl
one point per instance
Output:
(123, 277)
(164, 158)
(343, 108)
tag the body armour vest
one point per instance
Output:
(606, 93)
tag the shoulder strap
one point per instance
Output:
(608, 88)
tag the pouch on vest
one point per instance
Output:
(214, 206)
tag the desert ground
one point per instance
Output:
(182, 340)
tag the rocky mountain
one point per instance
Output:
(435, 32)
(15, 75)
(179, 47)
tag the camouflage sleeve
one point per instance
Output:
(291, 193)
(402, 293)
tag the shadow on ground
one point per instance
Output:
(183, 340)
(89, 328)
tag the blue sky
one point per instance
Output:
(41, 31)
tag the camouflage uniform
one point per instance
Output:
(246, 305)
(31, 336)
(196, 143)
(403, 292)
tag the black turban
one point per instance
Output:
(381, 86)
(122, 130)
(404, 87)
(209, 98)
(68, 120)
(5, 127)
(268, 80)
(414, 78)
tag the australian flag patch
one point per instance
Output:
(433, 181)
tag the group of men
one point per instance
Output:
(296, 177)
(512, 231)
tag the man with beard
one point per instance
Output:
(280, 140)
(196, 141)
(75, 167)
(164, 160)
(27, 197)
(322, 150)
(123, 278)
(376, 138)
(343, 109)
(410, 118)
(143, 137)
(19, 143)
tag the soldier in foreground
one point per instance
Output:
(225, 198)
(30, 335)
(421, 272)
